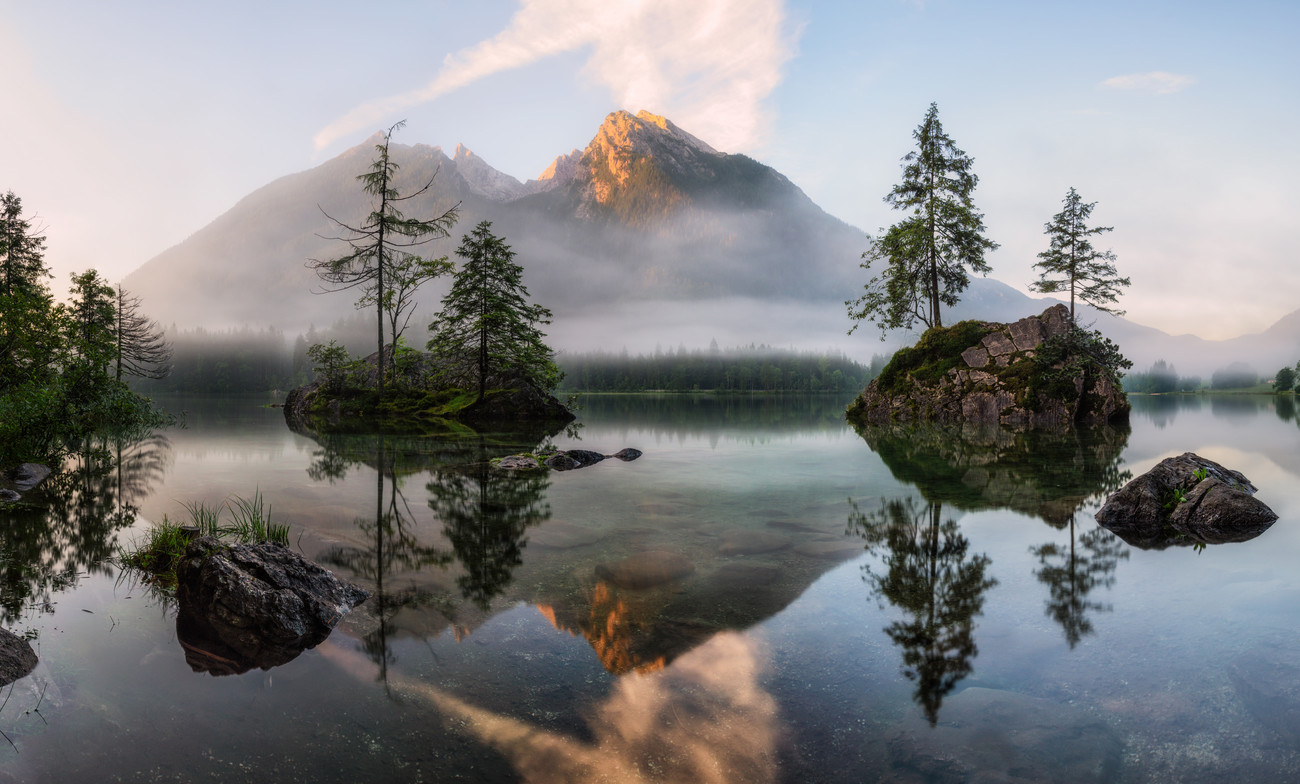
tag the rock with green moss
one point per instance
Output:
(1022, 374)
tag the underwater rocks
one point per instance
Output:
(1186, 500)
(563, 460)
(988, 735)
(16, 657)
(254, 605)
(646, 570)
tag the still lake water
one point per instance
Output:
(909, 605)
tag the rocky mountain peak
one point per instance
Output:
(483, 179)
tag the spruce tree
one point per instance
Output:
(487, 332)
(928, 253)
(1071, 263)
(380, 244)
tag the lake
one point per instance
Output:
(764, 596)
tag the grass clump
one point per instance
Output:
(162, 549)
(937, 352)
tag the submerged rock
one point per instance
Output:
(988, 735)
(646, 570)
(627, 455)
(518, 463)
(563, 460)
(1186, 500)
(16, 657)
(254, 605)
(27, 476)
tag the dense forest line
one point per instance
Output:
(745, 369)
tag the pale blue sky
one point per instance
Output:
(129, 125)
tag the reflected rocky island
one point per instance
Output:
(1048, 473)
(643, 589)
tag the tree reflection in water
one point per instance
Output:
(67, 525)
(930, 575)
(485, 512)
(1072, 572)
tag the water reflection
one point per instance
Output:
(1285, 408)
(485, 513)
(1048, 474)
(705, 719)
(65, 528)
(930, 575)
(1074, 570)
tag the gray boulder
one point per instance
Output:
(1186, 500)
(16, 657)
(254, 605)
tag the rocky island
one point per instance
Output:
(1038, 371)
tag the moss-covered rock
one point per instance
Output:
(988, 372)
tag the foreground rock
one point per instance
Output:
(16, 481)
(1186, 500)
(16, 657)
(254, 605)
(986, 372)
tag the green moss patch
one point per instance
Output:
(937, 352)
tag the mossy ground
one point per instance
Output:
(937, 352)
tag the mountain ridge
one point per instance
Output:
(647, 218)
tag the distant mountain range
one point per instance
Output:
(647, 236)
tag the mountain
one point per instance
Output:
(646, 236)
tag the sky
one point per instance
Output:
(128, 126)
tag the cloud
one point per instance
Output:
(707, 64)
(1158, 82)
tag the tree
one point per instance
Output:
(406, 275)
(928, 252)
(1072, 264)
(1285, 379)
(487, 331)
(26, 307)
(379, 244)
(142, 348)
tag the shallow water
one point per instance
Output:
(765, 595)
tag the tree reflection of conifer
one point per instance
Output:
(70, 528)
(395, 547)
(1071, 574)
(931, 577)
(485, 512)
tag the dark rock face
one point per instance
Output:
(566, 460)
(990, 384)
(16, 481)
(627, 455)
(1186, 500)
(254, 605)
(16, 657)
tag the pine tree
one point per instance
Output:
(1071, 263)
(927, 254)
(379, 244)
(487, 331)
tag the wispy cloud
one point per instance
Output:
(707, 64)
(1159, 82)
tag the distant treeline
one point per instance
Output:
(251, 360)
(751, 369)
(1162, 378)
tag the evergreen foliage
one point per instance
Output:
(1284, 379)
(378, 260)
(142, 347)
(1238, 375)
(487, 331)
(926, 254)
(1071, 263)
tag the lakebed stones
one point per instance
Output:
(988, 735)
(1186, 500)
(254, 605)
(646, 569)
(563, 460)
